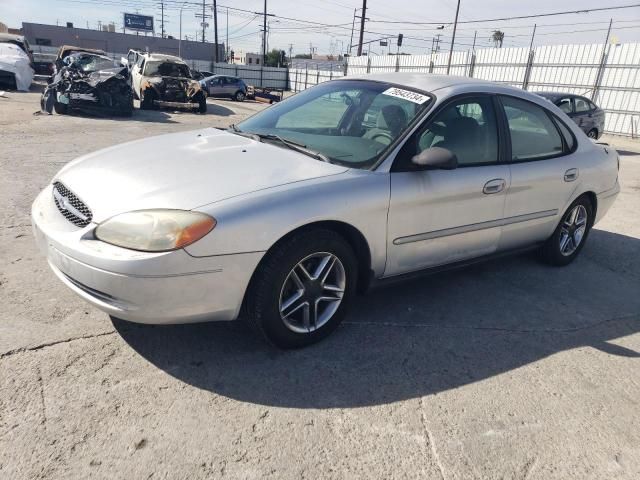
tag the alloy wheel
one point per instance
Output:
(572, 230)
(312, 292)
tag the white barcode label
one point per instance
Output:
(406, 94)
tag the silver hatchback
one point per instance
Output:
(285, 216)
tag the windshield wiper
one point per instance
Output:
(237, 131)
(298, 147)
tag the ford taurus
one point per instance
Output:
(282, 218)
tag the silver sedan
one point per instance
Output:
(285, 216)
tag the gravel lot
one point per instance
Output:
(508, 369)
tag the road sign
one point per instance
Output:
(133, 21)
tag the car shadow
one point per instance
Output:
(420, 337)
(219, 110)
(628, 153)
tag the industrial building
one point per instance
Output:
(116, 42)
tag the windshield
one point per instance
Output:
(88, 62)
(350, 122)
(166, 69)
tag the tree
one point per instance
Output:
(303, 55)
(497, 37)
(276, 58)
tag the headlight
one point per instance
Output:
(155, 230)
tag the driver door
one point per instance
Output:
(438, 217)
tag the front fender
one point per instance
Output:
(256, 221)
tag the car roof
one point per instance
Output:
(162, 56)
(428, 82)
(5, 37)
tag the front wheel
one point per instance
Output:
(202, 104)
(593, 133)
(570, 235)
(302, 289)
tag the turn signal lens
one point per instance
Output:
(155, 230)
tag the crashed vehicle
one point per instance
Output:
(66, 50)
(16, 72)
(165, 81)
(90, 83)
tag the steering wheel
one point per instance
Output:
(382, 135)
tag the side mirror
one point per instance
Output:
(436, 158)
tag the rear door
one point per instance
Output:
(439, 217)
(544, 172)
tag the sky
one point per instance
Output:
(324, 26)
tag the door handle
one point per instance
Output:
(571, 174)
(494, 186)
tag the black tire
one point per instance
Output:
(239, 96)
(61, 108)
(593, 133)
(148, 96)
(262, 303)
(551, 252)
(202, 104)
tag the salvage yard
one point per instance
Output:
(508, 369)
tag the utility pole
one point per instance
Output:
(162, 18)
(533, 35)
(203, 21)
(475, 34)
(603, 59)
(215, 30)
(353, 25)
(453, 38)
(362, 19)
(435, 40)
(264, 34)
(227, 42)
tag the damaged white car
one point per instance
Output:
(16, 72)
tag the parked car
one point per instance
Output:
(16, 71)
(225, 86)
(587, 115)
(288, 214)
(164, 81)
(200, 74)
(91, 83)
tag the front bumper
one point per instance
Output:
(164, 103)
(155, 288)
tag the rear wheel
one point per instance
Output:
(593, 133)
(302, 290)
(239, 96)
(570, 235)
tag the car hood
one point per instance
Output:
(184, 171)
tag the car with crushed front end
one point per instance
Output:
(283, 217)
(164, 81)
(88, 82)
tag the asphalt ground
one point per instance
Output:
(509, 369)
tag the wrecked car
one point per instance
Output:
(16, 72)
(91, 83)
(166, 81)
(66, 50)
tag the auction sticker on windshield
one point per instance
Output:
(406, 94)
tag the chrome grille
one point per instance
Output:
(71, 206)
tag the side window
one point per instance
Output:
(468, 128)
(582, 105)
(592, 106)
(533, 134)
(564, 104)
(566, 133)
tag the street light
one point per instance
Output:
(180, 37)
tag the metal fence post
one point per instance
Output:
(346, 66)
(287, 80)
(318, 77)
(397, 63)
(331, 73)
(527, 72)
(306, 75)
(472, 64)
(295, 84)
(430, 66)
(368, 64)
